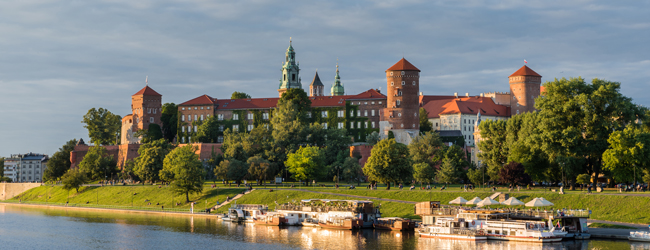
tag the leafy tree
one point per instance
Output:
(646, 176)
(425, 124)
(208, 131)
(151, 134)
(583, 179)
(299, 100)
(448, 172)
(169, 118)
(628, 153)
(151, 160)
(288, 132)
(73, 178)
(514, 173)
(475, 175)
(493, 147)
(427, 148)
(232, 169)
(239, 95)
(5, 179)
(389, 162)
(103, 126)
(308, 163)
(259, 168)
(422, 172)
(128, 170)
(59, 163)
(453, 166)
(373, 138)
(523, 135)
(98, 164)
(233, 146)
(352, 170)
(184, 170)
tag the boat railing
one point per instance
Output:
(467, 231)
(250, 206)
(320, 208)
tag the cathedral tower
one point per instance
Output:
(316, 86)
(401, 115)
(337, 87)
(290, 72)
(524, 88)
(146, 108)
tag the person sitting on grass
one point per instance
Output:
(412, 187)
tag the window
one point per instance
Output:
(154, 111)
(323, 114)
(189, 139)
(221, 128)
(182, 139)
(351, 125)
(372, 112)
(195, 116)
(220, 139)
(201, 117)
(220, 117)
(413, 82)
(392, 84)
(341, 113)
(195, 128)
(391, 73)
(358, 124)
(399, 114)
(415, 114)
(365, 113)
(195, 108)
(293, 77)
(183, 108)
(235, 116)
(379, 102)
(151, 119)
(208, 108)
(403, 72)
(365, 103)
(182, 118)
(324, 125)
(148, 111)
(402, 125)
(373, 103)
(308, 115)
(235, 128)
(358, 112)
(250, 127)
(517, 111)
(398, 102)
(201, 108)
(183, 129)
(340, 125)
(208, 116)
(250, 116)
(373, 124)
(403, 83)
(265, 116)
(351, 113)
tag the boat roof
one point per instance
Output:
(328, 200)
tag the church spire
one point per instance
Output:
(290, 71)
(337, 87)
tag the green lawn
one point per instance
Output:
(605, 225)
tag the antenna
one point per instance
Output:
(146, 81)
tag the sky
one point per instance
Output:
(58, 59)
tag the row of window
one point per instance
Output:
(341, 113)
(365, 103)
(404, 73)
(195, 108)
(403, 83)
(359, 124)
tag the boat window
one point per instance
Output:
(512, 232)
(497, 232)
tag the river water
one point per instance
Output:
(42, 228)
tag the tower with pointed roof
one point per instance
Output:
(401, 115)
(290, 71)
(524, 88)
(316, 86)
(146, 108)
(337, 87)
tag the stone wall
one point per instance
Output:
(363, 150)
(10, 190)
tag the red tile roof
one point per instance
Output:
(201, 100)
(465, 105)
(424, 99)
(369, 94)
(525, 71)
(403, 65)
(147, 91)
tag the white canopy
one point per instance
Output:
(512, 202)
(538, 202)
(474, 201)
(459, 200)
(487, 201)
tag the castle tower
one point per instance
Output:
(401, 115)
(316, 86)
(290, 72)
(524, 88)
(146, 108)
(337, 87)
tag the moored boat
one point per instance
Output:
(395, 224)
(639, 236)
(450, 228)
(271, 219)
(310, 222)
(347, 223)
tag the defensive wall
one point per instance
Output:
(9, 190)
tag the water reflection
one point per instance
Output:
(58, 228)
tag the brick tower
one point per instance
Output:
(316, 86)
(146, 108)
(401, 115)
(524, 88)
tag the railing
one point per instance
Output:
(150, 209)
(320, 209)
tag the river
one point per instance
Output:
(41, 228)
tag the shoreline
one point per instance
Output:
(112, 210)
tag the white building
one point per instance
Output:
(25, 167)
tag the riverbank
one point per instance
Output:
(108, 210)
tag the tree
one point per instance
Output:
(288, 132)
(427, 148)
(373, 138)
(151, 160)
(151, 134)
(628, 153)
(239, 95)
(128, 170)
(475, 175)
(103, 126)
(259, 168)
(425, 124)
(308, 163)
(232, 169)
(184, 170)
(448, 172)
(352, 171)
(97, 164)
(169, 118)
(59, 163)
(583, 179)
(514, 173)
(208, 131)
(458, 157)
(299, 100)
(422, 172)
(73, 178)
(493, 147)
(389, 162)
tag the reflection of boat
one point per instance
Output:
(271, 219)
(246, 212)
(449, 228)
(639, 236)
(310, 222)
(347, 223)
(395, 224)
